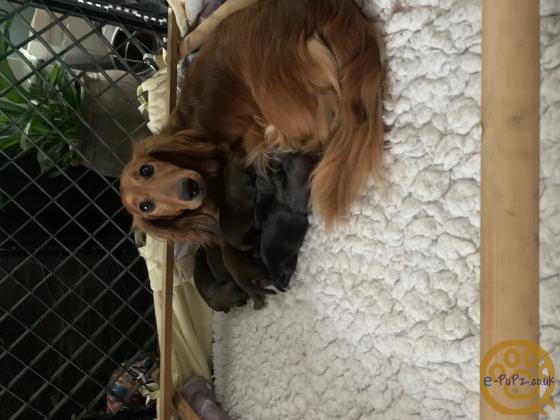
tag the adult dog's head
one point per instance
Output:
(174, 185)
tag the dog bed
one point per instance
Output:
(382, 318)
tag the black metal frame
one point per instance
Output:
(125, 15)
(75, 300)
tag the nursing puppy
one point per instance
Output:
(249, 273)
(236, 214)
(218, 286)
(214, 283)
(281, 239)
(282, 211)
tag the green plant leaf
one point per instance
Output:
(36, 126)
(53, 74)
(8, 143)
(9, 136)
(38, 89)
(49, 98)
(72, 94)
(27, 142)
(8, 106)
(54, 173)
(63, 85)
(7, 78)
(71, 129)
(45, 164)
(33, 133)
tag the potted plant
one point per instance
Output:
(31, 106)
(93, 123)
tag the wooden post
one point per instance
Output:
(509, 179)
(165, 342)
(172, 60)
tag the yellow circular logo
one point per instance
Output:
(517, 377)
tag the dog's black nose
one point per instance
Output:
(189, 189)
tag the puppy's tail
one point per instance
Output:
(354, 151)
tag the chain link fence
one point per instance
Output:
(75, 300)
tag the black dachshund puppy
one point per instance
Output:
(236, 214)
(214, 283)
(282, 213)
(263, 221)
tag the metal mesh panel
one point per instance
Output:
(74, 295)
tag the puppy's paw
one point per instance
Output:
(242, 303)
(282, 283)
(262, 284)
(280, 287)
(285, 283)
(258, 301)
(219, 308)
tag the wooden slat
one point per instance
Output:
(166, 382)
(509, 179)
(165, 342)
(173, 37)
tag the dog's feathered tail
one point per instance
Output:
(355, 149)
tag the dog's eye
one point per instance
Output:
(146, 206)
(146, 171)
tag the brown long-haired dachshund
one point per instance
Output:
(294, 75)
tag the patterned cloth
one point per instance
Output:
(128, 382)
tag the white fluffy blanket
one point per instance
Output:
(382, 319)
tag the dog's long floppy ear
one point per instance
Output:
(184, 141)
(187, 150)
(195, 228)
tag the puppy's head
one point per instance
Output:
(173, 186)
(293, 182)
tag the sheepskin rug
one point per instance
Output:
(382, 317)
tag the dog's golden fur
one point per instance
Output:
(303, 75)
